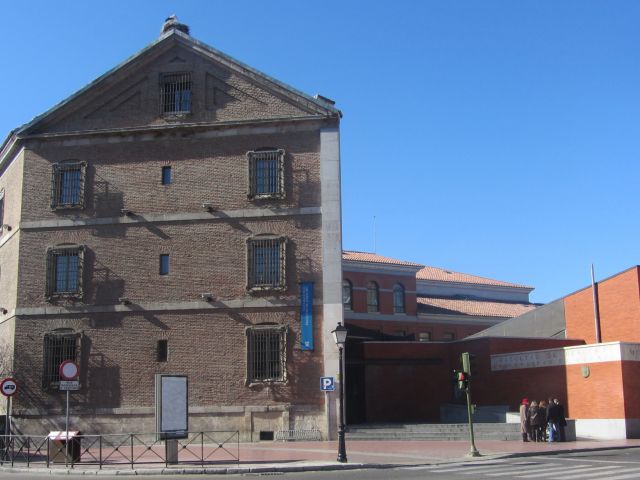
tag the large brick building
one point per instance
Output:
(160, 220)
(405, 300)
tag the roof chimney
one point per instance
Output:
(172, 23)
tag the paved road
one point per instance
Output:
(608, 465)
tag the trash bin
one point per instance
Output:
(58, 447)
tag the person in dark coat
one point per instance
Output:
(535, 420)
(553, 420)
(562, 421)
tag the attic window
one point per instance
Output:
(175, 94)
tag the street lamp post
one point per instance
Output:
(340, 336)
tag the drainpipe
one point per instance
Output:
(596, 305)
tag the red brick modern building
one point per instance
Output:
(549, 351)
(161, 220)
(410, 301)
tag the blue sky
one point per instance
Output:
(497, 138)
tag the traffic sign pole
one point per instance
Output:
(68, 371)
(66, 443)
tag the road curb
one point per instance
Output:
(284, 468)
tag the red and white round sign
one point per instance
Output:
(68, 370)
(8, 387)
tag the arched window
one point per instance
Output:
(347, 294)
(398, 298)
(373, 304)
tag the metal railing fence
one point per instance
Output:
(199, 448)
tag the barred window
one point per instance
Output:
(347, 293)
(175, 93)
(59, 345)
(373, 297)
(266, 354)
(67, 185)
(266, 266)
(64, 271)
(398, 298)
(266, 179)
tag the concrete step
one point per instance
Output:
(434, 431)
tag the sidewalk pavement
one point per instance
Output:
(310, 456)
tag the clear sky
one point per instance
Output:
(498, 138)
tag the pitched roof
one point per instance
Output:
(443, 275)
(374, 258)
(480, 308)
(295, 95)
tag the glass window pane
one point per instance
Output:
(164, 264)
(166, 175)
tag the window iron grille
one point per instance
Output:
(347, 294)
(175, 93)
(266, 179)
(67, 185)
(398, 299)
(373, 297)
(266, 266)
(266, 354)
(59, 345)
(64, 271)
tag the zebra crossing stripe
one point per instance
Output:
(597, 474)
(476, 467)
(538, 470)
(544, 472)
(635, 474)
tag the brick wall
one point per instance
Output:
(619, 300)
(119, 359)
(132, 96)
(385, 282)
(128, 174)
(414, 327)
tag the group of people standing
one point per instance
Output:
(542, 421)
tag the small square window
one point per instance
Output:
(166, 176)
(175, 95)
(64, 271)
(266, 263)
(448, 336)
(67, 185)
(163, 350)
(164, 264)
(266, 354)
(265, 174)
(59, 345)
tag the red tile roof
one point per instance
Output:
(480, 308)
(374, 258)
(442, 275)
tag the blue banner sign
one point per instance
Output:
(306, 315)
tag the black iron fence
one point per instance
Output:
(131, 449)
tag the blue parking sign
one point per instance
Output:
(327, 384)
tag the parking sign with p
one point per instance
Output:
(327, 384)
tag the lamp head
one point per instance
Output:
(340, 335)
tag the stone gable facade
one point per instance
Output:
(138, 166)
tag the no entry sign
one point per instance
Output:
(8, 387)
(68, 370)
